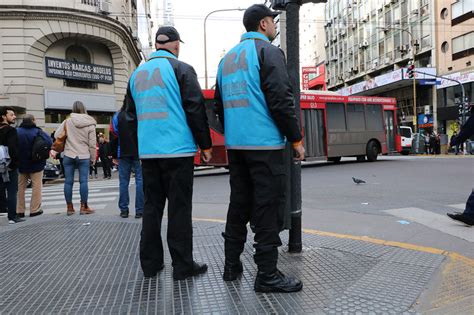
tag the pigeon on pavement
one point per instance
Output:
(358, 181)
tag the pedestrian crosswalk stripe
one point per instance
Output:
(435, 221)
(460, 206)
(91, 200)
(54, 193)
(61, 196)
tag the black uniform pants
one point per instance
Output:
(167, 179)
(257, 182)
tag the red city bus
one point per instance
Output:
(333, 126)
(219, 153)
(354, 126)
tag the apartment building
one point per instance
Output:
(370, 43)
(454, 58)
(53, 53)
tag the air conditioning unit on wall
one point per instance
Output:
(104, 7)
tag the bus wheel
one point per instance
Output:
(360, 158)
(335, 159)
(372, 151)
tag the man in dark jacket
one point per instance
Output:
(9, 183)
(168, 109)
(255, 102)
(28, 168)
(123, 143)
(467, 130)
(104, 157)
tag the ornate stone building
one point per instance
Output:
(54, 52)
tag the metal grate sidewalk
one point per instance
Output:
(90, 265)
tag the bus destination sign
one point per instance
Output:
(66, 69)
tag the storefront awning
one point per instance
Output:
(63, 100)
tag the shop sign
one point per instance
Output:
(463, 77)
(425, 121)
(66, 69)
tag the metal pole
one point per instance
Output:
(205, 40)
(413, 54)
(415, 120)
(205, 53)
(293, 60)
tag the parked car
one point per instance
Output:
(407, 138)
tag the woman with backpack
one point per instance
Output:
(34, 145)
(79, 152)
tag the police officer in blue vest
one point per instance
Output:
(168, 105)
(254, 101)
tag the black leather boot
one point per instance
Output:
(276, 282)
(197, 269)
(232, 271)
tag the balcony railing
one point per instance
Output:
(94, 3)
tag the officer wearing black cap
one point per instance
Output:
(254, 100)
(167, 106)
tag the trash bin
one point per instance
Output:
(418, 144)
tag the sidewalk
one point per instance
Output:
(90, 264)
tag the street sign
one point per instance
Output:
(429, 82)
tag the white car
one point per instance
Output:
(407, 137)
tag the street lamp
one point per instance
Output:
(205, 39)
(413, 53)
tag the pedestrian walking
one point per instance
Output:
(104, 152)
(9, 159)
(31, 141)
(467, 130)
(457, 146)
(255, 101)
(79, 152)
(167, 103)
(123, 142)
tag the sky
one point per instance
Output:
(223, 30)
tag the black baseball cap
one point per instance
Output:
(166, 34)
(255, 13)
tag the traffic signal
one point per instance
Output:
(281, 4)
(411, 71)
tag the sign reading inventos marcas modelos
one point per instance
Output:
(65, 69)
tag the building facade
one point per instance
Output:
(53, 53)
(455, 57)
(369, 44)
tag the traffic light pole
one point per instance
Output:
(293, 65)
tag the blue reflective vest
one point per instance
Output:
(248, 123)
(163, 131)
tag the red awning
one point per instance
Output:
(318, 81)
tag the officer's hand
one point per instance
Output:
(299, 149)
(206, 155)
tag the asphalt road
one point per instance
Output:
(424, 186)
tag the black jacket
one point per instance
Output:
(192, 100)
(9, 138)
(467, 130)
(124, 130)
(275, 85)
